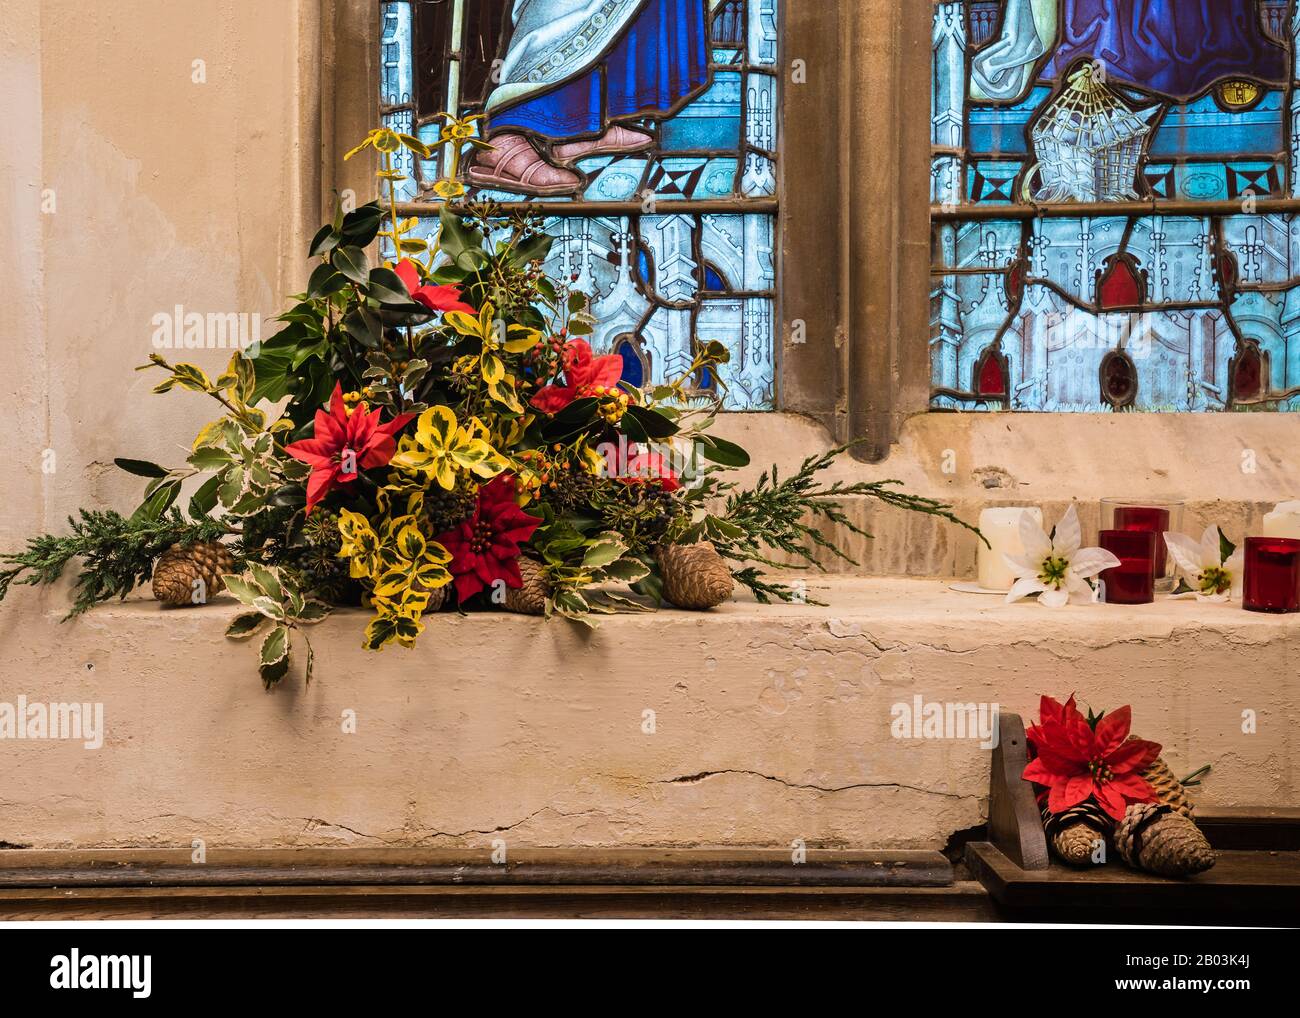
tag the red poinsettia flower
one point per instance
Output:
(651, 467)
(344, 444)
(1075, 760)
(485, 548)
(435, 298)
(584, 375)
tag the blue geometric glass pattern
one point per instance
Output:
(1116, 178)
(667, 110)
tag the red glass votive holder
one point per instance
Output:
(1147, 517)
(1161, 515)
(1133, 581)
(1272, 575)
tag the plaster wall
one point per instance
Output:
(133, 180)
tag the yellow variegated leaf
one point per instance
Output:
(413, 460)
(465, 324)
(467, 454)
(446, 474)
(519, 339)
(436, 427)
(410, 544)
(437, 553)
(212, 433)
(431, 576)
(493, 368)
(490, 465)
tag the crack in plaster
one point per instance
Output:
(695, 779)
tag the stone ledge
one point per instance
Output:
(771, 724)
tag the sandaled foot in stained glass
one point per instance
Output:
(515, 164)
(618, 140)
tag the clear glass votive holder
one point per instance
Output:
(1154, 514)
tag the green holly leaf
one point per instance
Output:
(267, 580)
(606, 550)
(273, 658)
(352, 262)
(720, 451)
(245, 625)
(271, 609)
(242, 589)
(326, 239)
(313, 612)
(141, 468)
(205, 499)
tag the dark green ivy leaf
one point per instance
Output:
(352, 262)
(325, 240)
(141, 468)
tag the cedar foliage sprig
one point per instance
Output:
(118, 553)
(783, 515)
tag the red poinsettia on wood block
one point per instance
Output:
(485, 548)
(1074, 759)
(343, 444)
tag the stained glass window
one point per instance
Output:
(645, 129)
(1114, 221)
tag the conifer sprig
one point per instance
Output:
(782, 515)
(118, 553)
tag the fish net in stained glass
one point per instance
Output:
(1089, 143)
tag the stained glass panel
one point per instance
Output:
(1114, 187)
(649, 126)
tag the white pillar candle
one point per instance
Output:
(1001, 527)
(1283, 521)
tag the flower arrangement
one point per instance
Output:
(436, 431)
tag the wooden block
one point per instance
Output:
(1015, 823)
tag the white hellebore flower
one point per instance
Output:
(1214, 568)
(1056, 567)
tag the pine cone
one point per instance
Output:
(437, 598)
(186, 576)
(695, 576)
(530, 599)
(1154, 838)
(1169, 790)
(1073, 833)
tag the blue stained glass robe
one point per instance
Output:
(1176, 47)
(1179, 48)
(660, 58)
